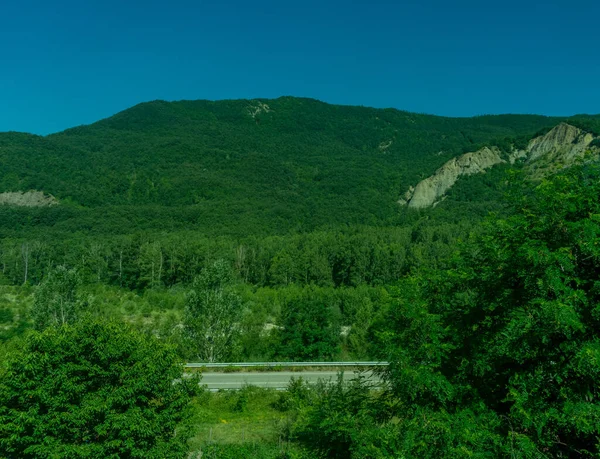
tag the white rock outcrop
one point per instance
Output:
(563, 144)
(560, 147)
(27, 199)
(258, 108)
(429, 191)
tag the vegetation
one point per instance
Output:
(55, 301)
(213, 167)
(221, 231)
(212, 313)
(93, 390)
(495, 357)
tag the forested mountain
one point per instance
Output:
(241, 167)
(288, 190)
(290, 193)
(461, 250)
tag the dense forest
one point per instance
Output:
(269, 230)
(284, 165)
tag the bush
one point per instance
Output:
(337, 417)
(93, 390)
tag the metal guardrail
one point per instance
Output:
(286, 364)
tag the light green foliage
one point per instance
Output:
(93, 390)
(56, 301)
(212, 313)
(222, 428)
(15, 303)
(255, 451)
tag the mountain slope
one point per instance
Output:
(282, 164)
(561, 147)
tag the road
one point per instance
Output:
(272, 379)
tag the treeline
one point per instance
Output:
(313, 296)
(343, 257)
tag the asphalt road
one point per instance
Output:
(273, 380)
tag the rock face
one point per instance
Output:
(564, 142)
(27, 199)
(559, 148)
(429, 191)
(258, 108)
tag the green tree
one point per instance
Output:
(311, 326)
(212, 313)
(335, 416)
(93, 390)
(56, 301)
(510, 334)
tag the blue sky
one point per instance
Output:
(65, 63)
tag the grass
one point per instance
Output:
(240, 423)
(242, 416)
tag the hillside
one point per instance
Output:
(292, 230)
(561, 147)
(287, 191)
(282, 165)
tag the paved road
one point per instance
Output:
(273, 380)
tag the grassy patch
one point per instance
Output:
(241, 423)
(240, 416)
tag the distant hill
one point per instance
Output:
(246, 166)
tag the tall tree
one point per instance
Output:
(511, 333)
(212, 312)
(310, 326)
(56, 301)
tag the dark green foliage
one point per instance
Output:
(212, 167)
(588, 123)
(93, 390)
(336, 416)
(511, 332)
(297, 395)
(488, 188)
(310, 327)
(346, 256)
(341, 420)
(241, 400)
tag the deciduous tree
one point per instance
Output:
(212, 312)
(93, 390)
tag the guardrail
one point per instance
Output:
(286, 364)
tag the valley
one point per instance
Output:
(461, 250)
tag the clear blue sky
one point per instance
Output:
(64, 63)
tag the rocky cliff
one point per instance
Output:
(429, 191)
(27, 199)
(561, 147)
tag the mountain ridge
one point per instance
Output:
(301, 163)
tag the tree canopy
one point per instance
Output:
(93, 390)
(511, 333)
